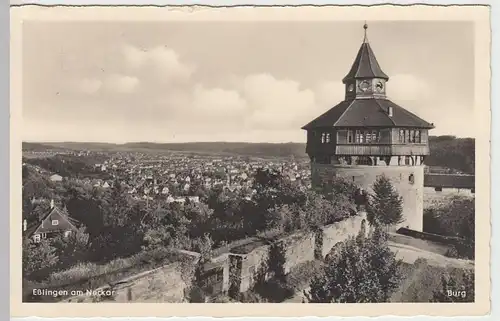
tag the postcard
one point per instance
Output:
(250, 161)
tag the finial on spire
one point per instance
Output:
(365, 26)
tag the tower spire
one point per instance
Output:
(365, 39)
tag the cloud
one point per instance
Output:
(277, 104)
(329, 93)
(88, 86)
(163, 62)
(154, 92)
(121, 83)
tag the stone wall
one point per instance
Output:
(299, 248)
(364, 176)
(340, 232)
(168, 283)
(250, 265)
(165, 284)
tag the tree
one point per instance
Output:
(385, 205)
(455, 219)
(74, 248)
(452, 152)
(455, 289)
(204, 246)
(38, 257)
(363, 270)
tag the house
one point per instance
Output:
(56, 178)
(55, 222)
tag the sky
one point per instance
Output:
(174, 81)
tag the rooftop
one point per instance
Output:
(368, 113)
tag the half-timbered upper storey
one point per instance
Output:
(367, 122)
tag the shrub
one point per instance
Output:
(364, 270)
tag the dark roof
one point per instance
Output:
(365, 65)
(367, 113)
(44, 226)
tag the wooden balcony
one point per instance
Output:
(368, 149)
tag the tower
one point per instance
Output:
(367, 135)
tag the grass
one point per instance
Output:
(85, 276)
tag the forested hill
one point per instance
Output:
(452, 152)
(446, 151)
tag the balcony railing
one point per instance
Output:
(369, 149)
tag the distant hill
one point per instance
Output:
(39, 147)
(446, 151)
(452, 152)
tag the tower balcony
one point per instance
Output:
(368, 149)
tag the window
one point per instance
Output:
(36, 238)
(401, 136)
(359, 137)
(368, 137)
(411, 179)
(417, 137)
(412, 136)
(407, 136)
(375, 136)
(55, 222)
(407, 160)
(327, 138)
(349, 136)
(44, 235)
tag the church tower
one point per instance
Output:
(368, 135)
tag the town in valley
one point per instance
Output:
(373, 207)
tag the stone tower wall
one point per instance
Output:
(365, 176)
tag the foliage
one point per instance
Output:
(73, 248)
(363, 270)
(38, 257)
(67, 165)
(385, 206)
(452, 152)
(204, 246)
(456, 289)
(116, 225)
(270, 283)
(456, 219)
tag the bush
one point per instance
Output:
(456, 289)
(364, 270)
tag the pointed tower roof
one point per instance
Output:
(365, 65)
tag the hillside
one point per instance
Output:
(446, 151)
